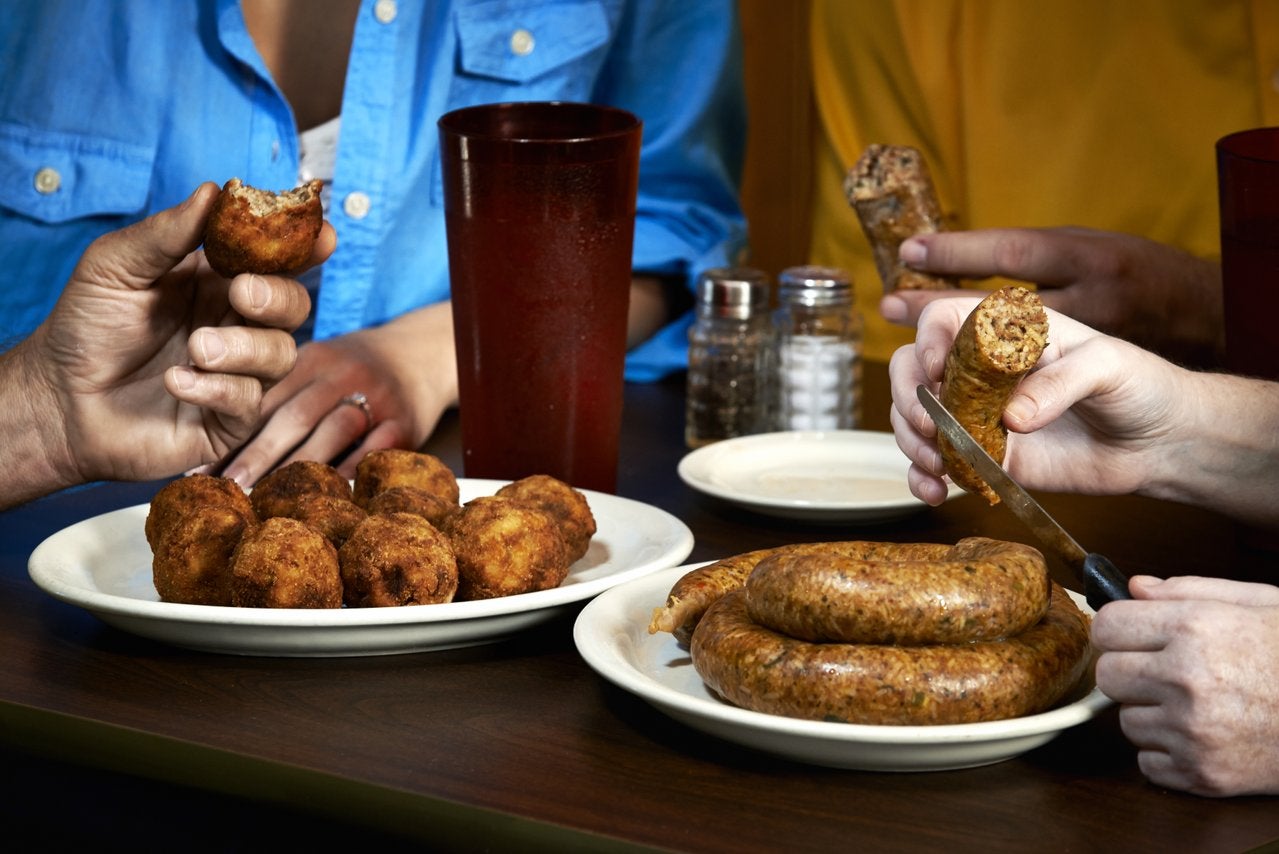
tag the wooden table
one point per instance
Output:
(110, 737)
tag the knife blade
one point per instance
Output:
(1102, 580)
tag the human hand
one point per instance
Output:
(1091, 416)
(150, 362)
(1153, 295)
(407, 372)
(1194, 665)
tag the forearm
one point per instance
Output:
(650, 309)
(33, 449)
(428, 332)
(1225, 456)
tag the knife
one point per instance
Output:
(1103, 582)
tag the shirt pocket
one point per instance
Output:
(54, 177)
(525, 50)
(519, 41)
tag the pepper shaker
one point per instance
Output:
(819, 342)
(730, 357)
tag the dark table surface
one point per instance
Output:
(108, 737)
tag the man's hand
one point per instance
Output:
(1155, 296)
(1194, 664)
(150, 363)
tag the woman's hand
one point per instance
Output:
(405, 369)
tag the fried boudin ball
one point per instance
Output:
(504, 547)
(397, 559)
(191, 561)
(335, 518)
(285, 563)
(410, 499)
(258, 231)
(389, 467)
(562, 503)
(188, 494)
(278, 493)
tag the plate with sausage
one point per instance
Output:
(846, 476)
(104, 565)
(612, 635)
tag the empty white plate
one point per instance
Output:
(835, 475)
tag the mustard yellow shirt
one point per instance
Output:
(1099, 113)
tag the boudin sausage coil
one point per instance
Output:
(976, 590)
(881, 633)
(977, 581)
(890, 189)
(763, 670)
(693, 593)
(998, 344)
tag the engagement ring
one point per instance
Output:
(361, 400)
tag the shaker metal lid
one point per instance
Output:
(815, 285)
(733, 291)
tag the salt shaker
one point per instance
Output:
(819, 344)
(730, 357)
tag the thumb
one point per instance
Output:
(1092, 368)
(135, 256)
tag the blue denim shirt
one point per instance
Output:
(111, 110)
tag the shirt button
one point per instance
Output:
(385, 11)
(356, 205)
(48, 180)
(522, 42)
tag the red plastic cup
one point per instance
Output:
(1248, 194)
(539, 203)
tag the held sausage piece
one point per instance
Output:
(1000, 341)
(892, 193)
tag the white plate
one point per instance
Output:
(817, 476)
(611, 633)
(103, 564)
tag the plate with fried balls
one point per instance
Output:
(405, 558)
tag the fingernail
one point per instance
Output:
(933, 364)
(238, 475)
(212, 347)
(893, 309)
(257, 292)
(184, 378)
(913, 252)
(1022, 408)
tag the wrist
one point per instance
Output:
(1224, 453)
(36, 452)
(419, 347)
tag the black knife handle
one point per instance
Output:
(1103, 582)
